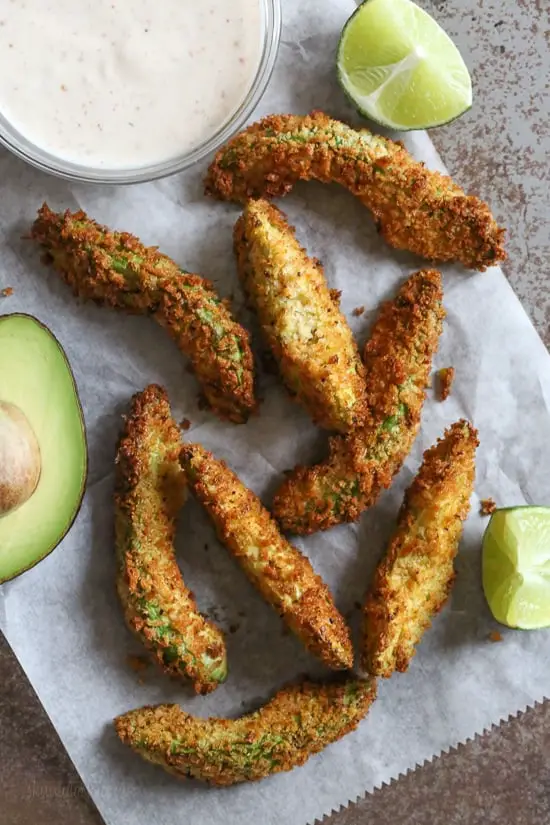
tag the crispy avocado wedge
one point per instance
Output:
(115, 269)
(43, 452)
(150, 489)
(414, 208)
(300, 319)
(299, 721)
(414, 579)
(398, 360)
(279, 571)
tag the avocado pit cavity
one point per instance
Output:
(20, 462)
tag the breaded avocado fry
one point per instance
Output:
(398, 360)
(150, 489)
(278, 570)
(299, 721)
(415, 208)
(115, 269)
(300, 319)
(414, 579)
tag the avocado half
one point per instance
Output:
(39, 403)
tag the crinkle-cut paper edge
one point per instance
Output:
(456, 747)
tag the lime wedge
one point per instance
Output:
(400, 68)
(516, 566)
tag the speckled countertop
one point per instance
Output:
(500, 150)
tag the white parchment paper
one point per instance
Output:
(63, 619)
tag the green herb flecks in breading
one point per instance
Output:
(398, 359)
(414, 579)
(278, 570)
(415, 208)
(299, 721)
(150, 489)
(115, 269)
(300, 319)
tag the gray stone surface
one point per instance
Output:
(499, 150)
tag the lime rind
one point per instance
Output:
(516, 566)
(400, 69)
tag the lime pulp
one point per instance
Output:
(400, 68)
(516, 566)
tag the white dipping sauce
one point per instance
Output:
(125, 83)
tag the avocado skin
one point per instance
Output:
(84, 476)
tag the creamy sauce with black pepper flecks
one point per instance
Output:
(125, 83)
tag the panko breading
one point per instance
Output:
(299, 721)
(446, 377)
(150, 489)
(398, 360)
(284, 576)
(414, 579)
(300, 319)
(115, 269)
(487, 506)
(414, 208)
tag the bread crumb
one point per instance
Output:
(446, 377)
(137, 663)
(358, 311)
(5, 293)
(495, 636)
(185, 424)
(487, 506)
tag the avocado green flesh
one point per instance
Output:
(35, 376)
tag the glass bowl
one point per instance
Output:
(48, 162)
